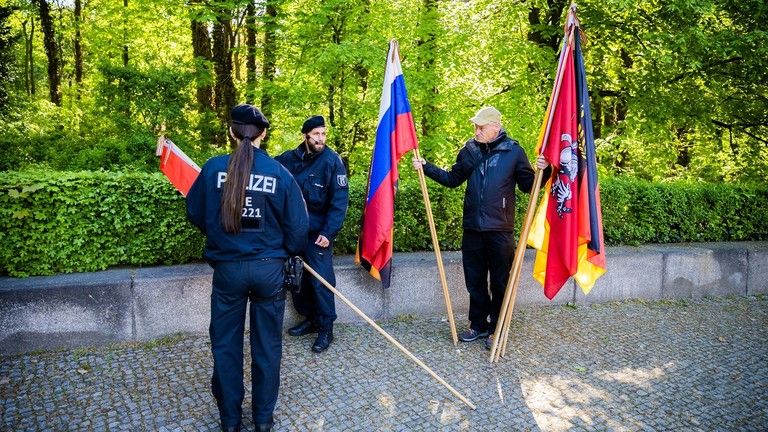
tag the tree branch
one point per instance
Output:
(707, 66)
(730, 126)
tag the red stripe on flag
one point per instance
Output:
(404, 136)
(563, 208)
(179, 169)
(378, 220)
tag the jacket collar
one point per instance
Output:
(301, 153)
(501, 143)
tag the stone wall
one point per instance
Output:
(72, 310)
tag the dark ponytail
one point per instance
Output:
(238, 173)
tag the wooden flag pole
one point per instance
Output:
(505, 314)
(438, 254)
(505, 318)
(388, 337)
(160, 140)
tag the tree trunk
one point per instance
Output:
(428, 53)
(201, 50)
(683, 148)
(547, 34)
(30, 54)
(51, 50)
(236, 44)
(621, 104)
(78, 48)
(26, 56)
(60, 45)
(269, 61)
(336, 115)
(597, 113)
(7, 43)
(125, 37)
(224, 90)
(534, 24)
(250, 59)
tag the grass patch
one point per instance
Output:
(162, 342)
(405, 318)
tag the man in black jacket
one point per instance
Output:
(322, 178)
(492, 164)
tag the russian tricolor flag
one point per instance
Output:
(395, 136)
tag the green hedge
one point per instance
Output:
(54, 222)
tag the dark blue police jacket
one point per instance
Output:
(323, 182)
(274, 218)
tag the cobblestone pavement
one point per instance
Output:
(670, 365)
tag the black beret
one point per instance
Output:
(313, 122)
(249, 114)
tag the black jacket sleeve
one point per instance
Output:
(196, 202)
(339, 201)
(458, 174)
(295, 221)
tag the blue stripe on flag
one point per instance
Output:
(381, 160)
(381, 163)
(582, 93)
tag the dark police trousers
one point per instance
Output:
(234, 283)
(483, 252)
(315, 301)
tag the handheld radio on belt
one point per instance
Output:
(293, 268)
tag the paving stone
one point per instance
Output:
(693, 364)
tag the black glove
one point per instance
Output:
(293, 268)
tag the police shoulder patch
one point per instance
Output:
(341, 180)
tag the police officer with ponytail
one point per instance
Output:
(254, 217)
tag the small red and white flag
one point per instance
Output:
(177, 166)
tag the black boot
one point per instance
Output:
(264, 427)
(323, 341)
(231, 428)
(303, 328)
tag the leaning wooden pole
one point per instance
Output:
(505, 314)
(388, 337)
(505, 317)
(438, 254)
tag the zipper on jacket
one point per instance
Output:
(484, 173)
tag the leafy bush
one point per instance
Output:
(636, 212)
(84, 221)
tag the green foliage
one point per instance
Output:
(148, 97)
(678, 87)
(84, 221)
(637, 211)
(681, 86)
(6, 55)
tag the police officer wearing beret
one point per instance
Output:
(322, 177)
(253, 216)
